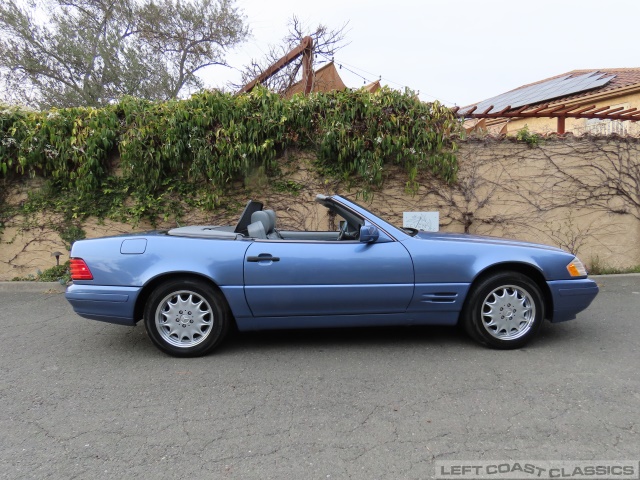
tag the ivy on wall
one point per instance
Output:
(139, 159)
(68, 146)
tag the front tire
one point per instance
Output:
(504, 311)
(186, 317)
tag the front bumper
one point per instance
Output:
(571, 297)
(104, 303)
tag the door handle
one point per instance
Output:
(262, 258)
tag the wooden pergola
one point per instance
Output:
(561, 112)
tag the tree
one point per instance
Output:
(91, 52)
(325, 43)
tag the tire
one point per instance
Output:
(504, 310)
(186, 317)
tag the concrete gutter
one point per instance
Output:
(32, 287)
(616, 275)
(613, 275)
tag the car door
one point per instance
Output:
(307, 278)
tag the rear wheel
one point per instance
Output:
(186, 317)
(505, 310)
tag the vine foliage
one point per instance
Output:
(140, 159)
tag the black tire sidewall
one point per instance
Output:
(473, 310)
(215, 300)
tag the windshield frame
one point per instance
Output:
(393, 231)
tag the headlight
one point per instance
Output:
(576, 268)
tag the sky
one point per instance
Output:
(458, 52)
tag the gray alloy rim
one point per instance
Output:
(184, 319)
(508, 312)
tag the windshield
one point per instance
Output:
(407, 230)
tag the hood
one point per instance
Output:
(467, 238)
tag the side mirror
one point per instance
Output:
(368, 234)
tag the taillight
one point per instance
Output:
(79, 270)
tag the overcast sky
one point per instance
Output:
(455, 51)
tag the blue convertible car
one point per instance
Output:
(191, 284)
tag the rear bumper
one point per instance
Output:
(104, 303)
(571, 297)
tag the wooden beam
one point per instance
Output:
(305, 45)
(307, 67)
(561, 125)
(598, 110)
(505, 109)
(586, 109)
(612, 110)
(539, 109)
(561, 112)
(628, 110)
(571, 109)
(555, 109)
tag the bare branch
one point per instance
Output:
(326, 42)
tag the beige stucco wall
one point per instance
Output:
(553, 193)
(540, 194)
(507, 188)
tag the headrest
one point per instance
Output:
(265, 219)
(272, 214)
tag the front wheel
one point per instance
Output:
(186, 318)
(504, 311)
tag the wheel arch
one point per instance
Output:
(534, 273)
(152, 284)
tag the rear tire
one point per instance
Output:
(186, 317)
(504, 311)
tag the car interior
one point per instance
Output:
(258, 223)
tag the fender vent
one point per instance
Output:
(439, 297)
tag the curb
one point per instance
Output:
(615, 275)
(32, 287)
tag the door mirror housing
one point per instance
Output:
(369, 234)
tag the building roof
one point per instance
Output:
(603, 81)
(326, 79)
(623, 77)
(372, 87)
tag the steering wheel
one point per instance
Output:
(347, 234)
(343, 231)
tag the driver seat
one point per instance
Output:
(274, 233)
(262, 225)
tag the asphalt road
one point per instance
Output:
(83, 399)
